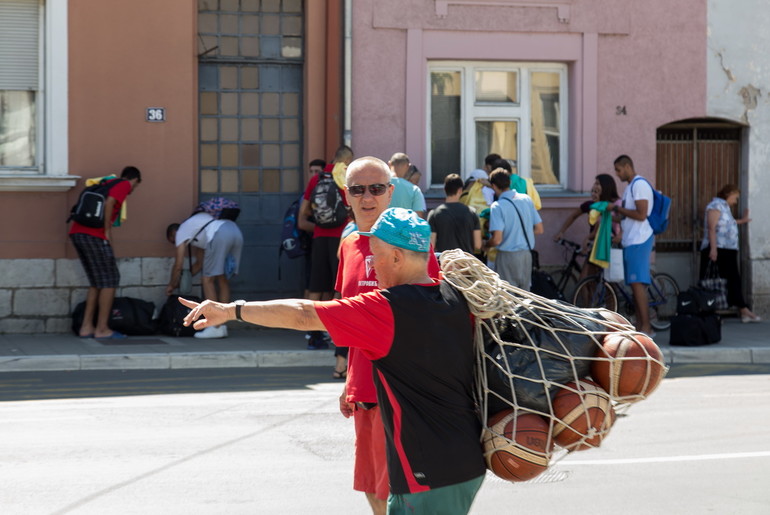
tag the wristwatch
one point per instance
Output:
(238, 305)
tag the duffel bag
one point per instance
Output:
(694, 330)
(696, 301)
(130, 316)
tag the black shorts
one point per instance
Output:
(323, 264)
(98, 260)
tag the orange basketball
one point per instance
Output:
(520, 458)
(584, 415)
(615, 318)
(631, 366)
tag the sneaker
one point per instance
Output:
(317, 343)
(212, 332)
(751, 319)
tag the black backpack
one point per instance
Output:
(326, 202)
(172, 314)
(89, 210)
(129, 316)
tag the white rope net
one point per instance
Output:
(550, 376)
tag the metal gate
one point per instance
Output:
(250, 128)
(694, 160)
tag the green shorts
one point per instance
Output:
(447, 500)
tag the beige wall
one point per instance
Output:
(123, 58)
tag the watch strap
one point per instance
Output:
(238, 305)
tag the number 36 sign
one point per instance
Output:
(156, 114)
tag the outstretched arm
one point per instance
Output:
(297, 314)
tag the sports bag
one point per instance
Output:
(89, 210)
(326, 202)
(696, 301)
(693, 330)
(172, 314)
(129, 316)
(661, 209)
(294, 241)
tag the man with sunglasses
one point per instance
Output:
(368, 191)
(418, 332)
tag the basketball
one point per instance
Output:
(631, 368)
(523, 457)
(615, 318)
(584, 415)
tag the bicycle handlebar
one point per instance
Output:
(567, 243)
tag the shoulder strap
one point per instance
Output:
(195, 238)
(520, 221)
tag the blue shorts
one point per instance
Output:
(636, 262)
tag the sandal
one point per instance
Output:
(340, 374)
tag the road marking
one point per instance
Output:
(670, 459)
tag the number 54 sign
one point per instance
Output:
(156, 114)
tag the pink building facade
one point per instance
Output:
(624, 70)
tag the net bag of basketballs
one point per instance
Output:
(550, 376)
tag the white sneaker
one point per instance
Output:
(212, 332)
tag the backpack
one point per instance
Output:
(294, 241)
(661, 208)
(172, 315)
(220, 208)
(89, 210)
(326, 202)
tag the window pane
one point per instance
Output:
(546, 129)
(445, 137)
(497, 138)
(17, 128)
(496, 87)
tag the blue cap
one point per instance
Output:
(402, 228)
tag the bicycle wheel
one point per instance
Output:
(566, 285)
(662, 295)
(594, 292)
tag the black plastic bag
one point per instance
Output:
(542, 359)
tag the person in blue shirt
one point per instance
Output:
(513, 224)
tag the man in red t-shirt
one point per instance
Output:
(368, 191)
(323, 253)
(95, 253)
(418, 334)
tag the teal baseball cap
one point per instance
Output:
(402, 228)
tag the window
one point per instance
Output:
(19, 84)
(33, 96)
(517, 110)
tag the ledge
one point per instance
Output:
(38, 182)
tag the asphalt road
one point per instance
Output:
(274, 442)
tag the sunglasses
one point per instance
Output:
(375, 189)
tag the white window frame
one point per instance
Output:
(520, 112)
(52, 109)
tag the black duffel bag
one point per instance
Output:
(697, 301)
(130, 316)
(694, 330)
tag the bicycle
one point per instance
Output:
(596, 292)
(570, 274)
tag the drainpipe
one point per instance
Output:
(348, 45)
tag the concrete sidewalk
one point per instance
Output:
(254, 347)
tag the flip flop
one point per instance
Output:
(116, 335)
(340, 374)
(87, 335)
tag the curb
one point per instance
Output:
(163, 361)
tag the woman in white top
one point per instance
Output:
(720, 246)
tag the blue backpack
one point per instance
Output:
(294, 241)
(661, 208)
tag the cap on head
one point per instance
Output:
(402, 228)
